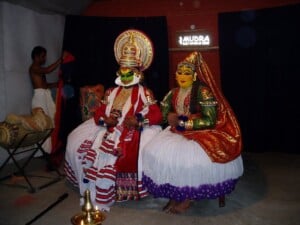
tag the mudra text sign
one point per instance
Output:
(193, 39)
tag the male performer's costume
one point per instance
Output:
(104, 158)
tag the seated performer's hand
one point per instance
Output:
(131, 122)
(173, 119)
(111, 121)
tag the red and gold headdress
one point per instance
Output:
(190, 61)
(133, 49)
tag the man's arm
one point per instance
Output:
(48, 69)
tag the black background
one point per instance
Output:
(260, 75)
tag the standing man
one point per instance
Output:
(42, 89)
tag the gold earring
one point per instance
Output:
(195, 77)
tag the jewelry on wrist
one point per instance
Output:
(188, 125)
(181, 123)
(139, 117)
(146, 122)
(101, 121)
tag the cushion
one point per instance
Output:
(90, 99)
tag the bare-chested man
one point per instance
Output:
(42, 89)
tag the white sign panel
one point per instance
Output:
(193, 38)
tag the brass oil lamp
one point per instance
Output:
(89, 215)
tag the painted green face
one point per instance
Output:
(126, 75)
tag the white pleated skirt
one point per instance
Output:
(177, 168)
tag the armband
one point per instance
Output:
(208, 103)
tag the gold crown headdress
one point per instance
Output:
(190, 61)
(133, 48)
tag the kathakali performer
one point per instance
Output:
(103, 153)
(198, 155)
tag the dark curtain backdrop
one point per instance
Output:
(91, 41)
(260, 75)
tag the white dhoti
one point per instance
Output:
(88, 137)
(43, 98)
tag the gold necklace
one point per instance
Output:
(121, 98)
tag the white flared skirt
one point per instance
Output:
(178, 168)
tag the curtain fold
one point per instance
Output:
(65, 7)
(260, 75)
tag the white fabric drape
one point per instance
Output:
(63, 7)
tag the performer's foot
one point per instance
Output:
(169, 205)
(222, 201)
(180, 207)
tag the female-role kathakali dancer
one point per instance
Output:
(197, 156)
(103, 154)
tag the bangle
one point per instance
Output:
(181, 123)
(101, 121)
(146, 122)
(139, 117)
(188, 125)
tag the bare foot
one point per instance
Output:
(169, 205)
(180, 207)
(222, 201)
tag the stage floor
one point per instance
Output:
(267, 194)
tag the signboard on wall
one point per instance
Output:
(193, 38)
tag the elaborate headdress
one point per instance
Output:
(133, 49)
(190, 61)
